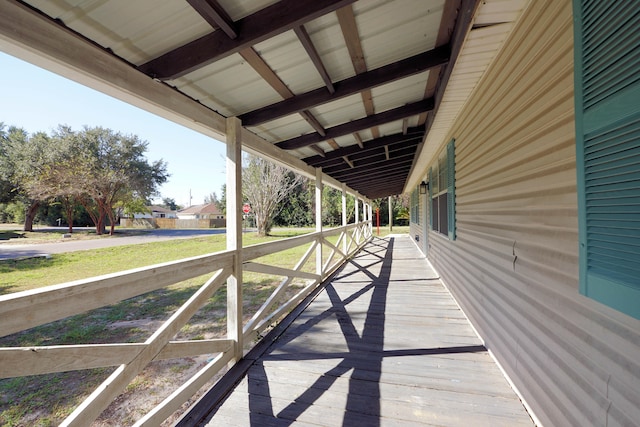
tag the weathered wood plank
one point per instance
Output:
(92, 406)
(182, 394)
(23, 310)
(24, 361)
(382, 344)
(277, 271)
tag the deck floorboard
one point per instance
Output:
(383, 344)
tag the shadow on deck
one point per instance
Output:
(381, 343)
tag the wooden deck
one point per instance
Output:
(382, 344)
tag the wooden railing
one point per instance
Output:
(23, 310)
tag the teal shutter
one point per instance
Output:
(451, 189)
(430, 198)
(607, 82)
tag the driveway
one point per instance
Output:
(13, 251)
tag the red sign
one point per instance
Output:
(246, 208)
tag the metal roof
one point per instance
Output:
(366, 89)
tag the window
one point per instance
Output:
(442, 193)
(415, 206)
(607, 90)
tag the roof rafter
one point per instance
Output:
(397, 140)
(382, 165)
(380, 185)
(372, 156)
(414, 134)
(258, 64)
(261, 67)
(360, 124)
(386, 74)
(355, 174)
(215, 15)
(252, 29)
(349, 27)
(377, 189)
(304, 38)
(447, 26)
(463, 23)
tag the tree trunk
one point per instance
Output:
(100, 225)
(91, 209)
(261, 225)
(102, 215)
(68, 211)
(30, 216)
(112, 220)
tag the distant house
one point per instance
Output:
(156, 212)
(206, 211)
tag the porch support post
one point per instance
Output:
(234, 234)
(357, 205)
(319, 222)
(344, 217)
(370, 217)
(390, 215)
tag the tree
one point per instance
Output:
(297, 209)
(170, 204)
(211, 198)
(6, 193)
(265, 185)
(117, 171)
(222, 203)
(25, 160)
(134, 206)
(401, 209)
(107, 169)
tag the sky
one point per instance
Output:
(37, 100)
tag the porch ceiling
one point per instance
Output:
(351, 86)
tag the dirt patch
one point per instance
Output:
(148, 325)
(45, 400)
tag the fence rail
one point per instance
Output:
(23, 310)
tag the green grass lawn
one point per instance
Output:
(19, 275)
(52, 397)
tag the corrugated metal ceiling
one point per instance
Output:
(268, 62)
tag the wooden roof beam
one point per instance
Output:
(464, 21)
(349, 27)
(368, 169)
(215, 15)
(405, 148)
(447, 26)
(375, 189)
(386, 74)
(414, 135)
(356, 136)
(358, 125)
(304, 38)
(371, 163)
(383, 182)
(383, 176)
(252, 29)
(262, 68)
(317, 149)
(348, 162)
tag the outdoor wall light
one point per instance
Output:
(424, 187)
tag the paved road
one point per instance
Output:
(12, 251)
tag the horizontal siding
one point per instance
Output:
(416, 231)
(514, 265)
